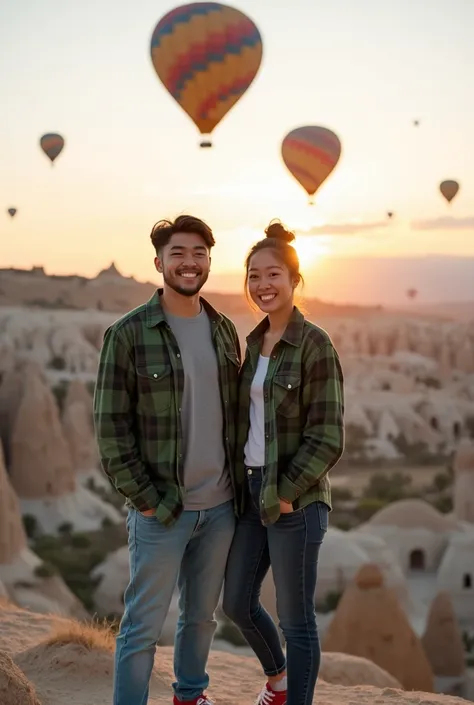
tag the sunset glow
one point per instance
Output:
(131, 154)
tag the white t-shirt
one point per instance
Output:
(254, 451)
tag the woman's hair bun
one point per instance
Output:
(277, 230)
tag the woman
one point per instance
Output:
(290, 434)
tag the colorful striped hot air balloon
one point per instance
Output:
(449, 189)
(206, 55)
(311, 153)
(11, 212)
(52, 145)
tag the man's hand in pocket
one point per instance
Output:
(148, 512)
(285, 507)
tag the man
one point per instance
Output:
(164, 414)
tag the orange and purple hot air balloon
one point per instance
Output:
(52, 145)
(449, 189)
(311, 153)
(206, 55)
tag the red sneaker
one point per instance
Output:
(201, 700)
(271, 697)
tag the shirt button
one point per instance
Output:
(155, 375)
(178, 355)
(263, 501)
(249, 472)
(289, 386)
(179, 409)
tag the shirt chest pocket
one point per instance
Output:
(154, 388)
(286, 394)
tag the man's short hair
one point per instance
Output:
(163, 230)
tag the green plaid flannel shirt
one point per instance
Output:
(304, 411)
(137, 404)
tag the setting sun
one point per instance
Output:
(310, 250)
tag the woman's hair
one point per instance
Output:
(278, 239)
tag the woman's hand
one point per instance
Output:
(285, 507)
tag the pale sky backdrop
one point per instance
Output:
(364, 68)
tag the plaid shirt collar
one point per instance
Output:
(293, 334)
(156, 316)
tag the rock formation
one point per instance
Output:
(11, 390)
(464, 484)
(15, 688)
(41, 464)
(78, 392)
(344, 669)
(80, 438)
(442, 640)
(369, 622)
(12, 534)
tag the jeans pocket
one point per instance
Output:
(323, 514)
(147, 519)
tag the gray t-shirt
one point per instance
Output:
(206, 475)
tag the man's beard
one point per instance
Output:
(201, 279)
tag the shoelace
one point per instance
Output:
(204, 701)
(265, 697)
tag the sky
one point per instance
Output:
(364, 69)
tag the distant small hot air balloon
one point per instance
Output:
(310, 154)
(390, 214)
(52, 145)
(416, 123)
(11, 212)
(449, 189)
(412, 293)
(206, 55)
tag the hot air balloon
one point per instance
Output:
(416, 123)
(206, 55)
(311, 153)
(52, 145)
(412, 293)
(390, 214)
(449, 189)
(11, 212)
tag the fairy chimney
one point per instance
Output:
(464, 481)
(80, 437)
(442, 640)
(12, 533)
(465, 357)
(369, 622)
(11, 391)
(78, 392)
(41, 464)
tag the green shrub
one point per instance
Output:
(441, 481)
(31, 525)
(368, 506)
(443, 504)
(80, 540)
(45, 570)
(332, 600)
(47, 543)
(65, 529)
(341, 494)
(57, 363)
(388, 488)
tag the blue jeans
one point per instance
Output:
(291, 546)
(193, 553)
